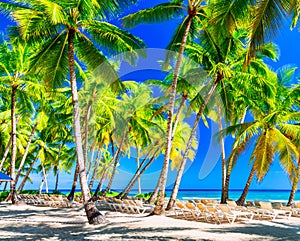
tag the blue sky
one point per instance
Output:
(158, 36)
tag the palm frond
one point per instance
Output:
(52, 60)
(116, 40)
(159, 13)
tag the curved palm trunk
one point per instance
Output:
(116, 158)
(225, 190)
(189, 143)
(134, 179)
(13, 193)
(25, 153)
(295, 185)
(20, 189)
(241, 200)
(223, 160)
(159, 208)
(92, 213)
(138, 166)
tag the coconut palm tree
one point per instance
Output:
(69, 28)
(192, 17)
(273, 115)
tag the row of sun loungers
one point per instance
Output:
(125, 206)
(48, 200)
(214, 212)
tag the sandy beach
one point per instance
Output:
(26, 222)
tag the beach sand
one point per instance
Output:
(26, 222)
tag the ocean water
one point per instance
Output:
(262, 195)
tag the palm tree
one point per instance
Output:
(273, 117)
(67, 27)
(162, 12)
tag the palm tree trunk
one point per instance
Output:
(92, 213)
(138, 165)
(74, 184)
(7, 147)
(159, 208)
(295, 185)
(97, 161)
(105, 173)
(99, 186)
(116, 159)
(13, 194)
(56, 182)
(241, 200)
(223, 160)
(86, 132)
(91, 161)
(44, 180)
(20, 189)
(125, 190)
(134, 179)
(153, 196)
(25, 153)
(183, 99)
(189, 143)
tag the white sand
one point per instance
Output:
(45, 223)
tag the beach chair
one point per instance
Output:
(234, 206)
(267, 210)
(180, 209)
(193, 210)
(232, 215)
(214, 214)
(206, 214)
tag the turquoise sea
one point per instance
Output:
(262, 195)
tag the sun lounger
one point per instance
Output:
(232, 215)
(234, 206)
(267, 210)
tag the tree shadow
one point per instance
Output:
(278, 231)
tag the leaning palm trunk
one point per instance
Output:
(242, 198)
(125, 190)
(100, 184)
(116, 159)
(295, 185)
(74, 184)
(159, 208)
(95, 169)
(134, 179)
(13, 193)
(25, 153)
(153, 196)
(8, 146)
(20, 189)
(190, 141)
(92, 213)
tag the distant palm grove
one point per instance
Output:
(64, 105)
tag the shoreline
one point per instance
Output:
(25, 222)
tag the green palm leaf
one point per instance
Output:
(159, 13)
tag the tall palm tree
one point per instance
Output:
(68, 28)
(192, 17)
